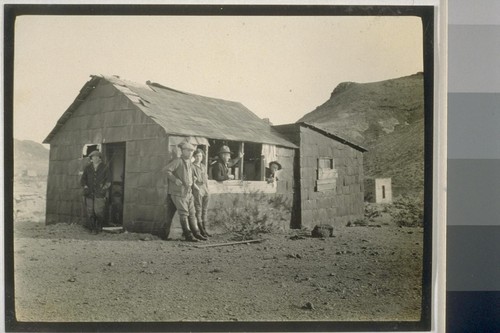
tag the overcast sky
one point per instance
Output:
(279, 67)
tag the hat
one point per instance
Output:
(95, 153)
(199, 151)
(186, 145)
(224, 149)
(274, 162)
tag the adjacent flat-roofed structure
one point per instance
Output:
(328, 173)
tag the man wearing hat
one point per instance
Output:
(220, 170)
(95, 183)
(274, 166)
(180, 181)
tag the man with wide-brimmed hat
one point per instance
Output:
(180, 181)
(95, 183)
(220, 170)
(274, 167)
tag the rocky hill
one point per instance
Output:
(31, 165)
(30, 158)
(385, 117)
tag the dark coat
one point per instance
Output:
(97, 181)
(220, 171)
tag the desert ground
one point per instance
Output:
(361, 273)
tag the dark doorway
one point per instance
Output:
(115, 160)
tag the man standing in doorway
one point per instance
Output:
(95, 183)
(180, 181)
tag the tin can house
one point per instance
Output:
(137, 127)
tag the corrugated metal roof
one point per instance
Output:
(187, 114)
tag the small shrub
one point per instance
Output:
(407, 212)
(251, 214)
(371, 212)
(360, 223)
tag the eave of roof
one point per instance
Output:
(329, 134)
(84, 92)
(187, 114)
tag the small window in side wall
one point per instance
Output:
(88, 148)
(326, 179)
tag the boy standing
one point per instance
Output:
(200, 191)
(180, 182)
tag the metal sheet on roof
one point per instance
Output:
(194, 115)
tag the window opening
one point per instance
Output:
(326, 174)
(250, 168)
(89, 148)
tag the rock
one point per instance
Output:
(296, 237)
(322, 231)
(72, 279)
(308, 306)
(110, 264)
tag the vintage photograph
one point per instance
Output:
(232, 168)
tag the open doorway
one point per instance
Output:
(115, 160)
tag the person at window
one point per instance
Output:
(220, 170)
(180, 182)
(95, 183)
(274, 167)
(200, 191)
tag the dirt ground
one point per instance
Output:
(65, 274)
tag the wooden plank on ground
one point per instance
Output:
(230, 243)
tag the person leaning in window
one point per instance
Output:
(271, 171)
(180, 182)
(200, 191)
(95, 183)
(220, 170)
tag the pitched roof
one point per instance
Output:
(182, 113)
(326, 132)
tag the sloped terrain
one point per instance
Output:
(30, 158)
(31, 165)
(385, 117)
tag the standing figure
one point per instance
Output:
(95, 183)
(200, 191)
(180, 182)
(220, 170)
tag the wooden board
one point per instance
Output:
(323, 187)
(326, 181)
(327, 173)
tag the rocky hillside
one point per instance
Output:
(385, 117)
(30, 158)
(31, 165)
